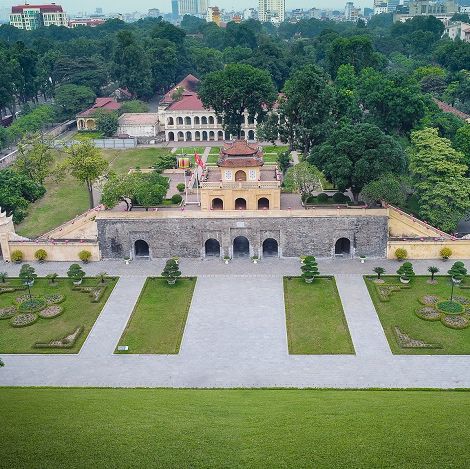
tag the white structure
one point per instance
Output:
(351, 13)
(443, 10)
(192, 7)
(273, 11)
(380, 7)
(458, 30)
(139, 124)
(30, 17)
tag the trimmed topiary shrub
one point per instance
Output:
(401, 254)
(445, 252)
(310, 269)
(17, 256)
(340, 198)
(176, 199)
(181, 187)
(40, 255)
(84, 256)
(322, 198)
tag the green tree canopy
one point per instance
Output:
(72, 99)
(34, 158)
(106, 122)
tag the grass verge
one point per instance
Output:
(158, 320)
(233, 428)
(400, 311)
(315, 318)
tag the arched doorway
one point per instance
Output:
(251, 135)
(212, 248)
(197, 136)
(141, 248)
(217, 204)
(241, 247)
(180, 136)
(189, 137)
(342, 247)
(263, 203)
(240, 204)
(171, 136)
(240, 176)
(204, 135)
(270, 248)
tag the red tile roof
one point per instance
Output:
(240, 153)
(448, 108)
(189, 102)
(44, 8)
(189, 83)
(106, 104)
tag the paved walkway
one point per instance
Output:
(235, 337)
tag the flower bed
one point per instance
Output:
(405, 341)
(455, 322)
(54, 299)
(429, 299)
(65, 342)
(51, 311)
(23, 320)
(32, 305)
(7, 312)
(428, 313)
(450, 307)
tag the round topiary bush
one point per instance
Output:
(40, 255)
(17, 256)
(323, 198)
(401, 254)
(176, 199)
(54, 299)
(51, 311)
(181, 187)
(340, 198)
(23, 320)
(455, 322)
(32, 305)
(428, 313)
(450, 307)
(7, 312)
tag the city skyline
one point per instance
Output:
(164, 6)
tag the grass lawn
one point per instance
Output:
(215, 150)
(158, 320)
(84, 136)
(315, 318)
(78, 311)
(275, 149)
(212, 158)
(121, 161)
(400, 311)
(103, 428)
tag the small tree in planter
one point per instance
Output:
(406, 272)
(3, 277)
(84, 256)
(433, 271)
(401, 254)
(76, 274)
(310, 269)
(28, 275)
(40, 255)
(379, 271)
(17, 256)
(458, 271)
(171, 271)
(52, 279)
(445, 253)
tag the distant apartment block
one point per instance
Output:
(30, 17)
(273, 11)
(441, 9)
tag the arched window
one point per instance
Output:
(241, 247)
(187, 120)
(189, 137)
(220, 135)
(212, 248)
(204, 135)
(171, 136)
(204, 120)
(211, 119)
(211, 135)
(180, 137)
(217, 204)
(251, 135)
(263, 203)
(179, 120)
(240, 204)
(197, 136)
(171, 121)
(197, 120)
(270, 248)
(240, 175)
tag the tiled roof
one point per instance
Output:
(147, 118)
(189, 83)
(240, 153)
(240, 148)
(240, 162)
(106, 104)
(44, 8)
(189, 102)
(448, 108)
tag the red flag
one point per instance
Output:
(198, 160)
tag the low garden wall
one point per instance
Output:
(430, 249)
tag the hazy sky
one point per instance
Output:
(73, 6)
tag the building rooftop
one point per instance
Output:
(52, 8)
(240, 153)
(107, 104)
(448, 108)
(189, 102)
(189, 84)
(147, 118)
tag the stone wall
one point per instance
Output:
(296, 236)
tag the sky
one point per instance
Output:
(124, 6)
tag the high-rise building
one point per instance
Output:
(351, 13)
(392, 5)
(153, 13)
(433, 7)
(192, 7)
(174, 9)
(31, 17)
(273, 11)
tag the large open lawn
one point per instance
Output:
(400, 311)
(104, 428)
(79, 310)
(315, 317)
(158, 320)
(121, 161)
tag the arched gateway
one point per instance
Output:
(141, 248)
(241, 247)
(212, 248)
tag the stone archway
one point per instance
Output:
(270, 248)
(212, 248)
(241, 247)
(240, 204)
(342, 247)
(141, 249)
(240, 176)
(263, 203)
(217, 204)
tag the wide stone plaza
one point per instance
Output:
(235, 335)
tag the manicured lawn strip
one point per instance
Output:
(84, 136)
(275, 149)
(233, 428)
(158, 320)
(270, 157)
(121, 161)
(315, 318)
(400, 311)
(78, 311)
(212, 158)
(215, 150)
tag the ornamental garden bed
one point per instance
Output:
(315, 318)
(159, 317)
(419, 318)
(52, 317)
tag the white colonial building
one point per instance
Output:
(139, 124)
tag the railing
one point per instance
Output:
(241, 185)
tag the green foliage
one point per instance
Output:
(458, 271)
(322, 198)
(433, 270)
(445, 252)
(406, 271)
(462, 142)
(379, 271)
(181, 186)
(106, 122)
(438, 173)
(52, 278)
(304, 178)
(284, 160)
(133, 106)
(309, 268)
(84, 256)
(171, 271)
(3, 277)
(75, 273)
(27, 273)
(40, 255)
(353, 156)
(390, 188)
(31, 122)
(176, 198)
(17, 255)
(71, 99)
(165, 162)
(401, 254)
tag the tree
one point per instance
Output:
(406, 271)
(106, 122)
(134, 106)
(458, 271)
(353, 156)
(304, 178)
(462, 142)
(433, 271)
(171, 271)
(72, 99)
(34, 158)
(236, 89)
(268, 130)
(309, 269)
(390, 188)
(86, 164)
(4, 137)
(27, 275)
(75, 273)
(438, 173)
(379, 271)
(306, 112)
